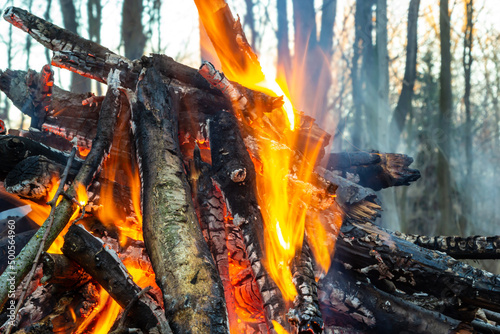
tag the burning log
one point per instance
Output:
(192, 290)
(235, 174)
(91, 254)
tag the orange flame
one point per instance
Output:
(282, 186)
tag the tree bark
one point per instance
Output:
(133, 36)
(447, 225)
(404, 106)
(79, 84)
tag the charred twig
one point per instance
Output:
(192, 292)
(91, 254)
(475, 247)
(66, 207)
(235, 174)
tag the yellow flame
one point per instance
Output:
(81, 194)
(279, 329)
(107, 316)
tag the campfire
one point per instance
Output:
(196, 201)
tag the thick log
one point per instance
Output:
(106, 268)
(373, 169)
(235, 174)
(185, 271)
(474, 247)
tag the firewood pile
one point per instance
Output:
(160, 207)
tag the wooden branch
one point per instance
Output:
(50, 35)
(374, 170)
(14, 149)
(235, 174)
(106, 268)
(192, 290)
(474, 247)
(66, 207)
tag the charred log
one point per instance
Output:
(193, 294)
(90, 253)
(235, 174)
(374, 170)
(58, 269)
(376, 253)
(348, 302)
(475, 247)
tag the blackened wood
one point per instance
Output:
(66, 207)
(474, 247)
(348, 302)
(192, 291)
(235, 174)
(306, 314)
(380, 255)
(32, 178)
(106, 268)
(50, 35)
(14, 149)
(373, 169)
(58, 269)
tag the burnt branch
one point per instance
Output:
(381, 256)
(106, 268)
(474, 247)
(373, 169)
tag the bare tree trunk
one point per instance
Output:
(383, 76)
(133, 36)
(284, 59)
(467, 63)
(311, 62)
(94, 12)
(250, 21)
(361, 65)
(404, 105)
(444, 122)
(79, 84)
(329, 11)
